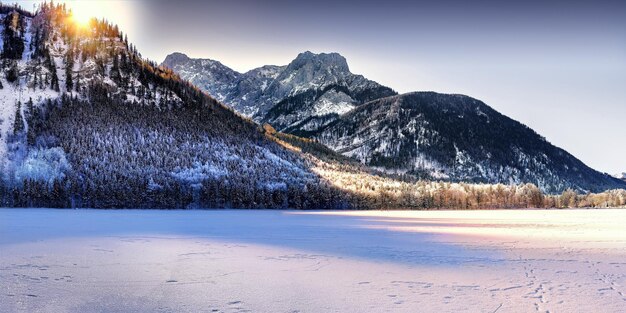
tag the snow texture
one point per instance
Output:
(287, 261)
(46, 165)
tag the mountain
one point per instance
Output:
(456, 137)
(308, 93)
(426, 135)
(86, 122)
(621, 176)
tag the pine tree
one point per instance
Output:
(77, 84)
(12, 73)
(54, 82)
(69, 65)
(18, 125)
(30, 106)
(115, 70)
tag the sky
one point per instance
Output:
(557, 66)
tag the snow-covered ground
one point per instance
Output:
(287, 261)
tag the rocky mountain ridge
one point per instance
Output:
(425, 135)
(302, 96)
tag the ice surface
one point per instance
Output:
(288, 261)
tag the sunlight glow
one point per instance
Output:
(532, 226)
(81, 21)
(124, 13)
(82, 13)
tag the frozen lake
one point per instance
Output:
(289, 261)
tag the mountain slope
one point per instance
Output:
(86, 122)
(428, 135)
(308, 93)
(457, 138)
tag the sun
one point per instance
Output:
(83, 12)
(80, 20)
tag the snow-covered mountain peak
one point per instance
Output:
(299, 87)
(175, 58)
(331, 60)
(310, 70)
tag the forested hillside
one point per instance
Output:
(104, 128)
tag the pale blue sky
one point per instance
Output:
(560, 67)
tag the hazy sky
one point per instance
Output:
(557, 66)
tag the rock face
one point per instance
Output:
(298, 98)
(217, 80)
(458, 138)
